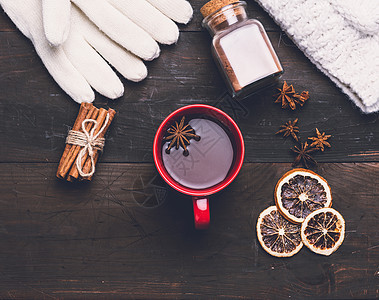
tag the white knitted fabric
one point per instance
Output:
(91, 34)
(120, 18)
(341, 37)
(52, 11)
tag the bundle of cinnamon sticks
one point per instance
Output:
(67, 168)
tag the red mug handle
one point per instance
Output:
(201, 212)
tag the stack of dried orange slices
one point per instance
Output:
(302, 215)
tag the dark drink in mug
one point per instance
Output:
(208, 161)
(205, 161)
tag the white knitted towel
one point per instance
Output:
(341, 37)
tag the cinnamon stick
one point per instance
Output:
(67, 166)
(88, 127)
(74, 150)
(87, 165)
(83, 110)
(74, 173)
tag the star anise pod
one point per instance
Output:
(285, 96)
(289, 129)
(303, 155)
(179, 136)
(301, 98)
(320, 141)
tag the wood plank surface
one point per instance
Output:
(37, 114)
(128, 235)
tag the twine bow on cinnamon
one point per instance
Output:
(89, 141)
(84, 143)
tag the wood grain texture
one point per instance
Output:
(128, 235)
(36, 114)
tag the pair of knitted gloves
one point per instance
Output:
(341, 37)
(76, 38)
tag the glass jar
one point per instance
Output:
(241, 47)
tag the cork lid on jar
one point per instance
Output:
(214, 5)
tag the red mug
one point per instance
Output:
(200, 197)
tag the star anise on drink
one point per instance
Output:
(320, 141)
(303, 155)
(179, 135)
(285, 96)
(301, 98)
(289, 129)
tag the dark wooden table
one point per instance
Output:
(127, 234)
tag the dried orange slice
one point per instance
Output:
(323, 231)
(299, 192)
(276, 235)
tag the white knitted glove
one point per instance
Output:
(153, 16)
(56, 20)
(340, 37)
(79, 63)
